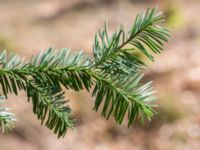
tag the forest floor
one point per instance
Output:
(26, 27)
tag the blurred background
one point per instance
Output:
(29, 26)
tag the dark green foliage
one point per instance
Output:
(114, 72)
(125, 95)
(120, 87)
(49, 106)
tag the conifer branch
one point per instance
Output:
(116, 55)
(123, 96)
(50, 107)
(114, 71)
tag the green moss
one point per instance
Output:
(7, 44)
(174, 17)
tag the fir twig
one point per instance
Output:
(114, 71)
